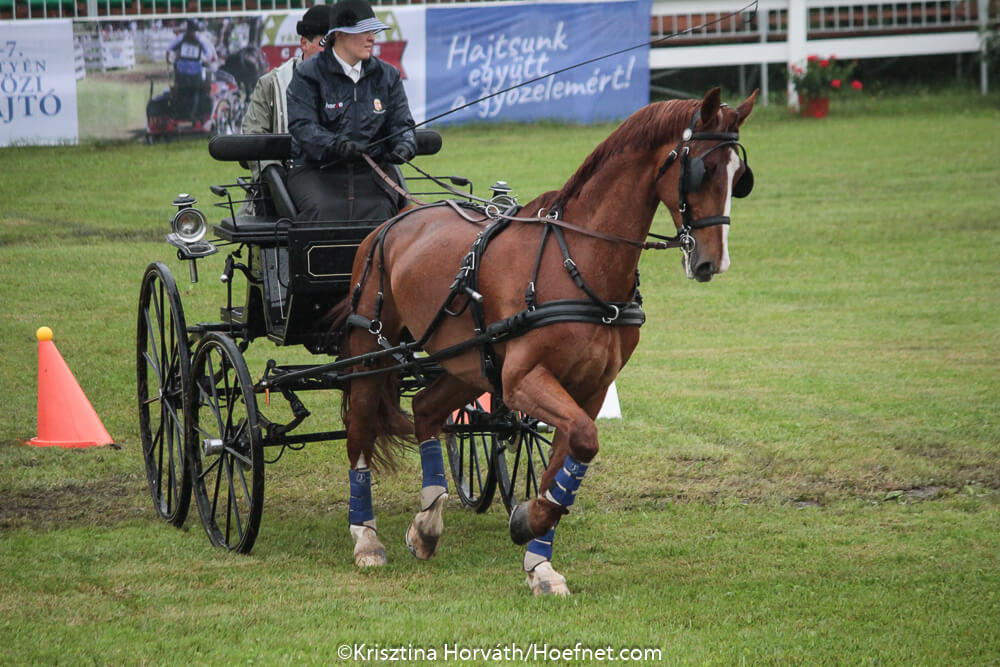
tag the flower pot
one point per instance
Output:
(814, 107)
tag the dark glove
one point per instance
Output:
(351, 150)
(401, 153)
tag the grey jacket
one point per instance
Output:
(267, 112)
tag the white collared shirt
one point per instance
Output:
(353, 73)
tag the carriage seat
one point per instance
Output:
(244, 148)
(253, 147)
(253, 229)
(275, 177)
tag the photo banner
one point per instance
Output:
(37, 83)
(476, 51)
(402, 46)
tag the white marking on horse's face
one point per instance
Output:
(731, 167)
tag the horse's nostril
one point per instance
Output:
(704, 271)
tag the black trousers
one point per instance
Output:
(189, 91)
(344, 192)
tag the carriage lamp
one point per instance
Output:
(188, 229)
(189, 223)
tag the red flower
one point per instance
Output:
(813, 58)
(835, 83)
(824, 63)
(856, 85)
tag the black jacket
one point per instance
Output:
(326, 109)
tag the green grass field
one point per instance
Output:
(807, 472)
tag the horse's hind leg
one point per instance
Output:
(430, 408)
(368, 550)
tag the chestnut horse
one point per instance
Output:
(683, 153)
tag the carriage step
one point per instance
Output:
(234, 314)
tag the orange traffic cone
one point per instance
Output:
(65, 416)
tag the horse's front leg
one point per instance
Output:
(430, 408)
(533, 523)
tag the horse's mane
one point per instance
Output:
(647, 128)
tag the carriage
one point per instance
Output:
(386, 299)
(221, 109)
(201, 427)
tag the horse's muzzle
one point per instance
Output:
(703, 271)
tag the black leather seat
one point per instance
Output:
(274, 177)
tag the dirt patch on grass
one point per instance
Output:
(73, 504)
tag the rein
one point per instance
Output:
(492, 212)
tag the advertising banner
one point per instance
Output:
(62, 82)
(474, 52)
(37, 83)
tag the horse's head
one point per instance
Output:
(698, 178)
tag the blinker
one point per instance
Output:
(694, 174)
(744, 186)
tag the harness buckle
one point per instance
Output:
(375, 328)
(687, 241)
(609, 320)
(469, 264)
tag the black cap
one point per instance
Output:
(355, 16)
(315, 22)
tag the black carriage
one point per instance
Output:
(201, 430)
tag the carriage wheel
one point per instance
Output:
(163, 372)
(225, 451)
(223, 122)
(520, 461)
(469, 442)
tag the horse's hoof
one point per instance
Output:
(544, 580)
(368, 551)
(424, 534)
(519, 524)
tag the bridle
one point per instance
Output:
(693, 174)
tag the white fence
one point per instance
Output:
(786, 31)
(115, 50)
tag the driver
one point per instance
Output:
(339, 103)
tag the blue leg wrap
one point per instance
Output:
(361, 497)
(542, 546)
(563, 489)
(432, 463)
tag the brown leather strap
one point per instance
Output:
(659, 245)
(673, 243)
(463, 213)
(391, 183)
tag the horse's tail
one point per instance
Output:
(336, 323)
(392, 426)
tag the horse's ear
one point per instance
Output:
(710, 105)
(743, 111)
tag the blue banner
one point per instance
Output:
(473, 52)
